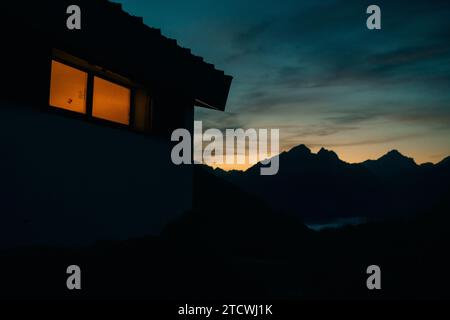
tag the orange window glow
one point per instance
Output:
(68, 88)
(111, 101)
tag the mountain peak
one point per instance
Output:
(396, 156)
(393, 154)
(301, 149)
(327, 154)
(391, 164)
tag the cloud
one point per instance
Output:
(251, 34)
(408, 55)
(365, 142)
(352, 117)
(424, 116)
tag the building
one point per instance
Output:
(87, 116)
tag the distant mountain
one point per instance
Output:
(392, 163)
(320, 187)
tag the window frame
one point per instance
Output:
(90, 95)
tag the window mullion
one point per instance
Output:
(89, 95)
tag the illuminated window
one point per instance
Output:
(68, 88)
(111, 101)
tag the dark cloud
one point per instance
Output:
(221, 121)
(365, 142)
(408, 55)
(333, 35)
(440, 119)
(251, 34)
(353, 117)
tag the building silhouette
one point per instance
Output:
(87, 116)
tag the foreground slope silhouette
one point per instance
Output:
(239, 248)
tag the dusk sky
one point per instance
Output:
(313, 70)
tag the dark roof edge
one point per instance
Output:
(187, 51)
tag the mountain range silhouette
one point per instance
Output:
(321, 187)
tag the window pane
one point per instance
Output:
(111, 101)
(68, 88)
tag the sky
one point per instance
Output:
(313, 70)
